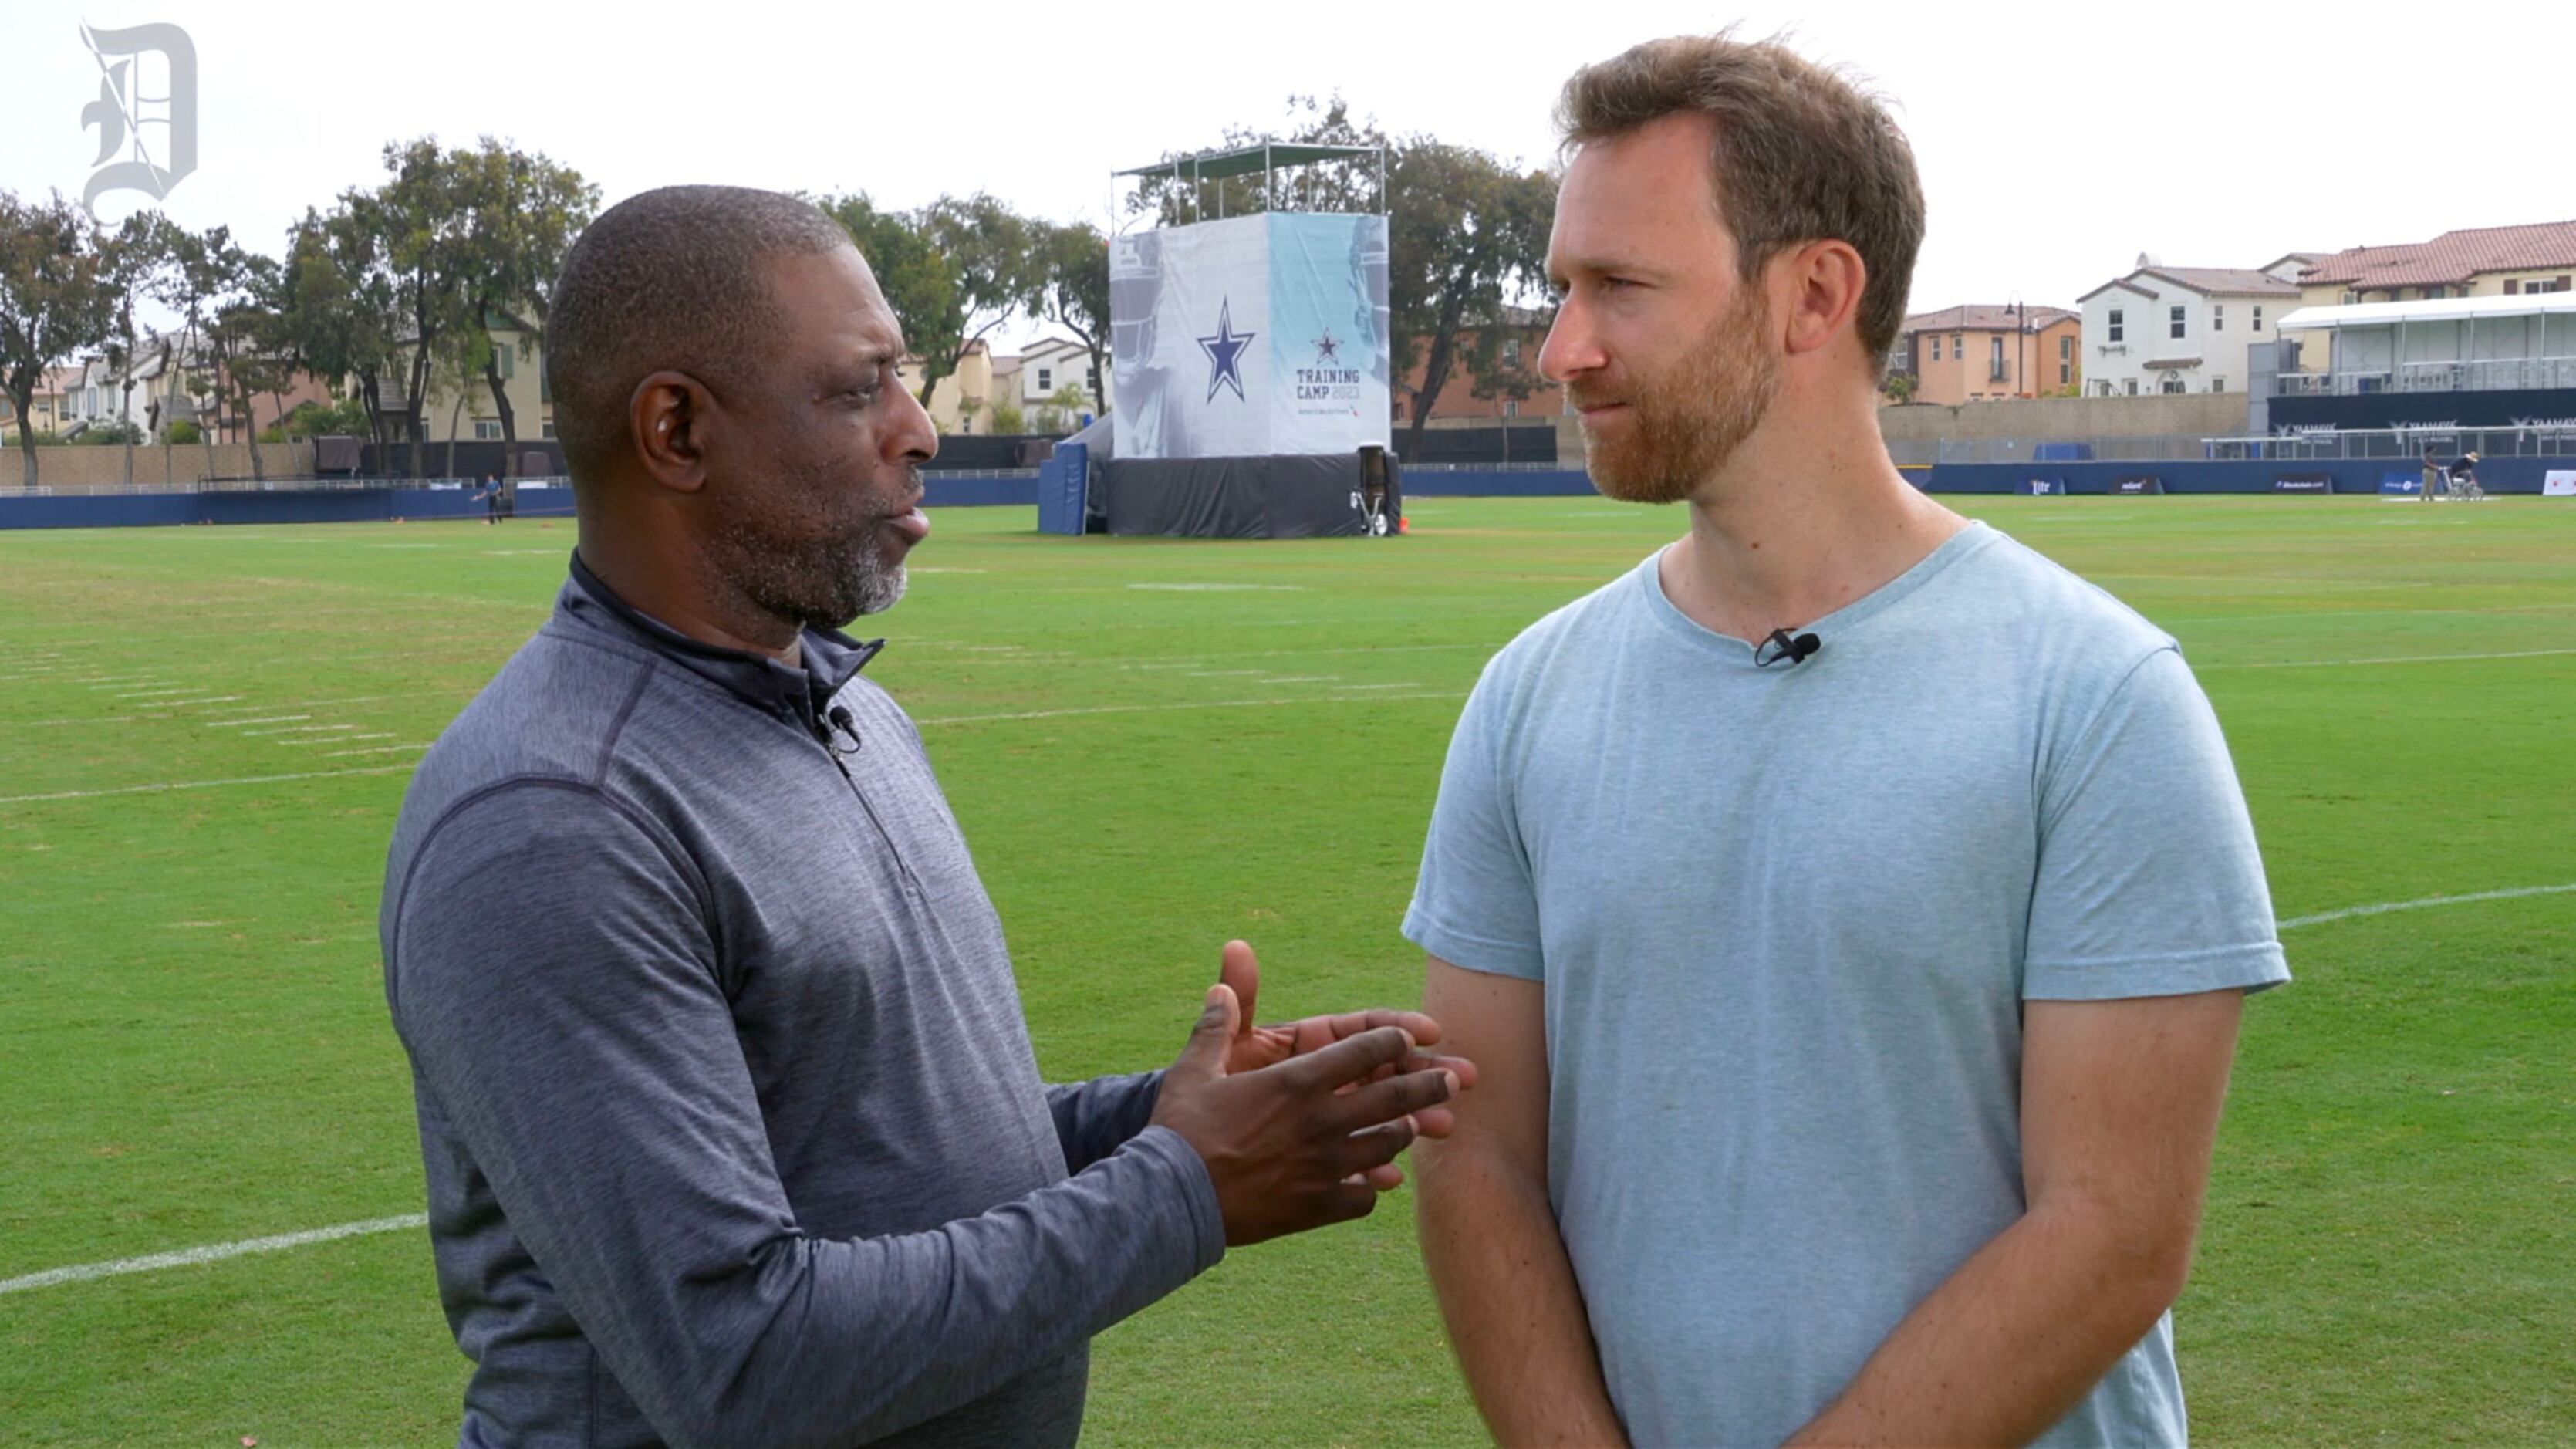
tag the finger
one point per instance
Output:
(1348, 1200)
(1459, 1067)
(1238, 968)
(1395, 1097)
(1317, 1031)
(1435, 1121)
(1386, 1177)
(1204, 1057)
(1348, 1060)
(1375, 1147)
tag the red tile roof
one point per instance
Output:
(2225, 281)
(2449, 259)
(1978, 317)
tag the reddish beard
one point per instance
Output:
(1683, 425)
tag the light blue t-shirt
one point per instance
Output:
(1786, 919)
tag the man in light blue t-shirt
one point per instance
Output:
(1853, 1002)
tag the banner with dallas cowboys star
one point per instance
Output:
(1253, 336)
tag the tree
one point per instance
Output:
(1069, 285)
(337, 313)
(1900, 387)
(986, 247)
(919, 285)
(56, 297)
(523, 212)
(415, 228)
(206, 272)
(136, 258)
(248, 341)
(1466, 253)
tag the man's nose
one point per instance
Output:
(1572, 347)
(914, 436)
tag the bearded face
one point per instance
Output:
(1681, 424)
(808, 547)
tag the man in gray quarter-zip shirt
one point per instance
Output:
(733, 1131)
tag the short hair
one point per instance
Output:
(1803, 154)
(669, 279)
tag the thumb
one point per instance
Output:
(1212, 1037)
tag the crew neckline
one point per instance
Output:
(1647, 579)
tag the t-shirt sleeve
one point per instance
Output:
(564, 1007)
(1475, 904)
(2149, 883)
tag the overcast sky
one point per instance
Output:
(2057, 140)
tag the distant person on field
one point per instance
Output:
(491, 498)
(2464, 473)
(733, 1130)
(1853, 1025)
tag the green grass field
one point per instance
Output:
(1155, 745)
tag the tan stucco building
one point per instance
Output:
(1981, 353)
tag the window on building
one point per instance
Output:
(1092, 383)
(505, 359)
(2132, 386)
(2258, 316)
(2065, 373)
(1936, 349)
(1995, 358)
(2172, 383)
(1958, 347)
(1512, 353)
(547, 430)
(2174, 315)
(1046, 380)
(2540, 284)
(1511, 407)
(2066, 349)
(2218, 384)
(2217, 316)
(2119, 321)
(487, 429)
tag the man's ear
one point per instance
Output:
(669, 416)
(1825, 281)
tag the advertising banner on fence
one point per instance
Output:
(1252, 336)
(2558, 483)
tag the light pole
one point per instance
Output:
(2019, 311)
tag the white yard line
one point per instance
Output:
(296, 730)
(212, 1253)
(2386, 659)
(1312, 699)
(2384, 907)
(372, 749)
(197, 784)
(226, 724)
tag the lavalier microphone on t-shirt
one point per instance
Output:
(1783, 646)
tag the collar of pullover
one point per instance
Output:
(832, 658)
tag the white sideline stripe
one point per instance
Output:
(1152, 708)
(2389, 659)
(2385, 907)
(225, 724)
(371, 749)
(213, 1252)
(296, 730)
(190, 703)
(197, 784)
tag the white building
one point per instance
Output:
(2183, 329)
(1050, 365)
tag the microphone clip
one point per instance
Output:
(1783, 646)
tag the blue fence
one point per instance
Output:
(1057, 491)
(2356, 475)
